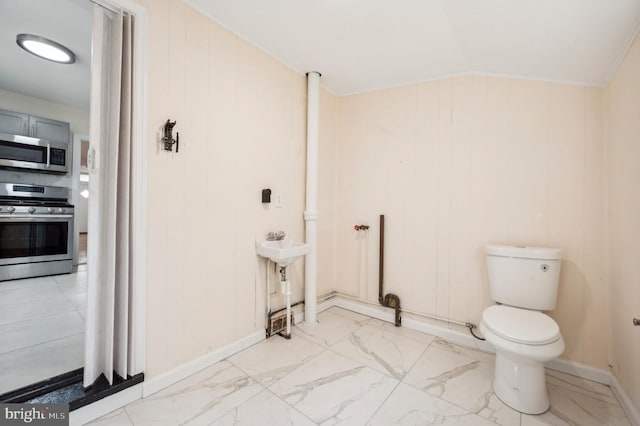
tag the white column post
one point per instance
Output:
(311, 211)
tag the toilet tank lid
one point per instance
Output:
(525, 252)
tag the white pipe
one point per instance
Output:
(311, 211)
(266, 317)
(288, 284)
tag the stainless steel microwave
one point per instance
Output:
(25, 152)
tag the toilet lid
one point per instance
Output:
(521, 325)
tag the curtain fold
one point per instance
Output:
(107, 338)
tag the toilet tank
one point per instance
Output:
(525, 277)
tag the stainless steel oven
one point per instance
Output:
(25, 152)
(36, 231)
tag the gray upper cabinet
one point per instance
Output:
(16, 123)
(44, 128)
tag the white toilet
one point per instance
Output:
(524, 282)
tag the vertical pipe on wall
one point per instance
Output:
(311, 210)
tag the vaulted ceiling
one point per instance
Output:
(361, 45)
(358, 45)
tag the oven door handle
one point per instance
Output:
(33, 217)
(48, 155)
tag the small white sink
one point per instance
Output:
(283, 252)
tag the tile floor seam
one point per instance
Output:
(386, 372)
(42, 343)
(36, 300)
(264, 388)
(41, 317)
(324, 349)
(405, 328)
(383, 402)
(299, 366)
(65, 294)
(292, 406)
(37, 318)
(128, 416)
(80, 313)
(469, 411)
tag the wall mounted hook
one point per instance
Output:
(167, 136)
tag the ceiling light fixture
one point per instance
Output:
(45, 48)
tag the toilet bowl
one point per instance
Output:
(524, 340)
(523, 282)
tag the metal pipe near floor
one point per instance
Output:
(390, 300)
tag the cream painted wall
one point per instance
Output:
(454, 164)
(458, 163)
(241, 117)
(327, 192)
(623, 154)
(77, 118)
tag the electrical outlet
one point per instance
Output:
(278, 200)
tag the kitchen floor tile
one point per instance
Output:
(39, 330)
(29, 291)
(26, 366)
(22, 311)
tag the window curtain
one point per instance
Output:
(108, 332)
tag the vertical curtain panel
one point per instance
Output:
(107, 339)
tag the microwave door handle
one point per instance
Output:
(48, 155)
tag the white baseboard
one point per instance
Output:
(187, 369)
(580, 370)
(99, 408)
(84, 415)
(463, 338)
(387, 314)
(625, 402)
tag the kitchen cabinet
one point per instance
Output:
(44, 128)
(16, 123)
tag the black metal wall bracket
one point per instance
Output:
(167, 137)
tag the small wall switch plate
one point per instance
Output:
(279, 200)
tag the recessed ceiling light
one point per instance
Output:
(45, 48)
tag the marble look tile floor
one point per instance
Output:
(355, 370)
(41, 328)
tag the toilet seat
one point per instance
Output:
(521, 325)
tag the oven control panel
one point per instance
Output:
(35, 210)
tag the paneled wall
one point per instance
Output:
(241, 117)
(327, 192)
(454, 164)
(458, 163)
(623, 156)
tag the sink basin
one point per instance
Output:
(283, 252)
